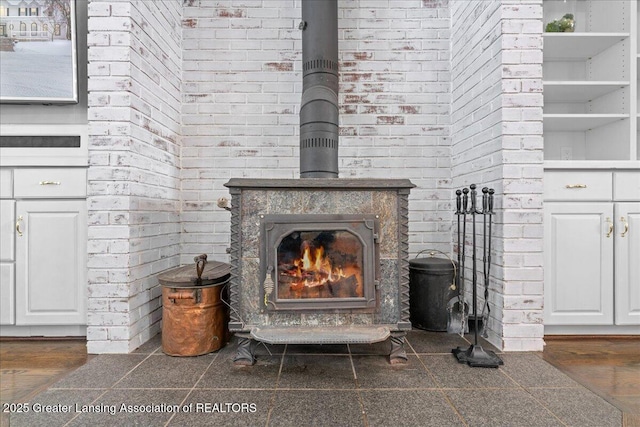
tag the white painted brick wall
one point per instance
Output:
(134, 176)
(497, 142)
(241, 94)
(522, 148)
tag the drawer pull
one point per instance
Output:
(576, 186)
(50, 183)
(626, 226)
(18, 230)
(610, 232)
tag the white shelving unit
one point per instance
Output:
(591, 85)
(592, 168)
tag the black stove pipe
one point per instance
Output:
(319, 106)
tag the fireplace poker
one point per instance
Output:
(474, 272)
(465, 206)
(487, 202)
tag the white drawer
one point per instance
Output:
(626, 186)
(50, 183)
(578, 185)
(6, 185)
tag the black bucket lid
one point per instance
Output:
(432, 265)
(186, 277)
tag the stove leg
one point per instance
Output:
(398, 354)
(245, 354)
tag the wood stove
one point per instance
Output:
(319, 261)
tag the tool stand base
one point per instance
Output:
(477, 357)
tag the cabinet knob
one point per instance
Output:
(626, 226)
(576, 186)
(18, 230)
(50, 183)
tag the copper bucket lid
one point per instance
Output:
(205, 273)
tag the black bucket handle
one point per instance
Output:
(432, 253)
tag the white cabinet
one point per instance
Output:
(592, 248)
(578, 264)
(627, 268)
(51, 262)
(43, 256)
(591, 125)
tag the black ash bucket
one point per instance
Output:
(432, 284)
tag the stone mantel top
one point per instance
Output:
(321, 183)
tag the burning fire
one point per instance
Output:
(314, 269)
(318, 271)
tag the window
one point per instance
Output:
(23, 29)
(4, 11)
(34, 28)
(56, 30)
(3, 30)
(28, 11)
(45, 28)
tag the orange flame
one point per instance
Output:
(315, 269)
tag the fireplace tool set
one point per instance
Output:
(466, 205)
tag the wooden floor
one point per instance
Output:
(608, 366)
(28, 367)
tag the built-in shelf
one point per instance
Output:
(578, 46)
(579, 122)
(579, 91)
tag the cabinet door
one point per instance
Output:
(7, 286)
(627, 292)
(7, 229)
(578, 264)
(7, 255)
(51, 263)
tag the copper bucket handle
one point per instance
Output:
(184, 294)
(200, 261)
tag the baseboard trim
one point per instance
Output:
(626, 330)
(559, 337)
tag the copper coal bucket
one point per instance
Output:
(195, 315)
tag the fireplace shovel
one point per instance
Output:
(457, 311)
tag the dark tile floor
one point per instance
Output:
(317, 386)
